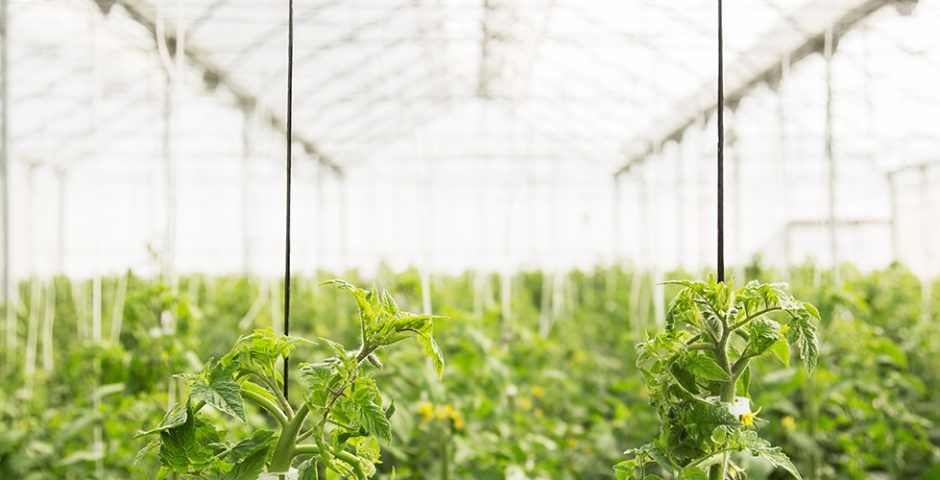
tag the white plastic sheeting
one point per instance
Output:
(470, 134)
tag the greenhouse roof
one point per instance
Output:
(466, 93)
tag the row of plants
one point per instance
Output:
(550, 391)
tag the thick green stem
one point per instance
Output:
(267, 405)
(445, 458)
(306, 450)
(719, 470)
(284, 451)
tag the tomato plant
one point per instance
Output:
(342, 416)
(698, 366)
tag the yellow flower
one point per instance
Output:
(524, 403)
(458, 420)
(444, 412)
(538, 392)
(747, 418)
(788, 423)
(426, 410)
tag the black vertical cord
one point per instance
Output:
(721, 149)
(290, 141)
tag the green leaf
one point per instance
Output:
(774, 455)
(151, 447)
(432, 350)
(763, 333)
(684, 377)
(706, 367)
(372, 418)
(259, 352)
(260, 439)
(219, 389)
(192, 443)
(177, 416)
(308, 470)
(781, 350)
(249, 468)
(744, 382)
(693, 473)
(719, 434)
(803, 333)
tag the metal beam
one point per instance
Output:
(838, 15)
(215, 75)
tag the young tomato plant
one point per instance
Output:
(698, 374)
(338, 425)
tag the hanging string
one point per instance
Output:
(290, 141)
(721, 149)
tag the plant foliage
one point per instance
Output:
(343, 416)
(701, 363)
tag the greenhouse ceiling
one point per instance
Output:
(550, 97)
(618, 76)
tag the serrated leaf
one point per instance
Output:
(763, 333)
(803, 333)
(249, 468)
(432, 350)
(192, 443)
(259, 440)
(706, 367)
(219, 389)
(774, 455)
(372, 418)
(175, 417)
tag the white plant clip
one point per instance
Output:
(740, 406)
(293, 474)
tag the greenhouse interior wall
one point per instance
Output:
(493, 160)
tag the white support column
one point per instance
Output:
(61, 214)
(247, 129)
(617, 234)
(783, 160)
(5, 287)
(830, 153)
(680, 233)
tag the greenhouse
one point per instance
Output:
(469, 239)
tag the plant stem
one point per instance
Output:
(719, 470)
(268, 406)
(445, 458)
(284, 450)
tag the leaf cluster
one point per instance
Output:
(713, 332)
(342, 413)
